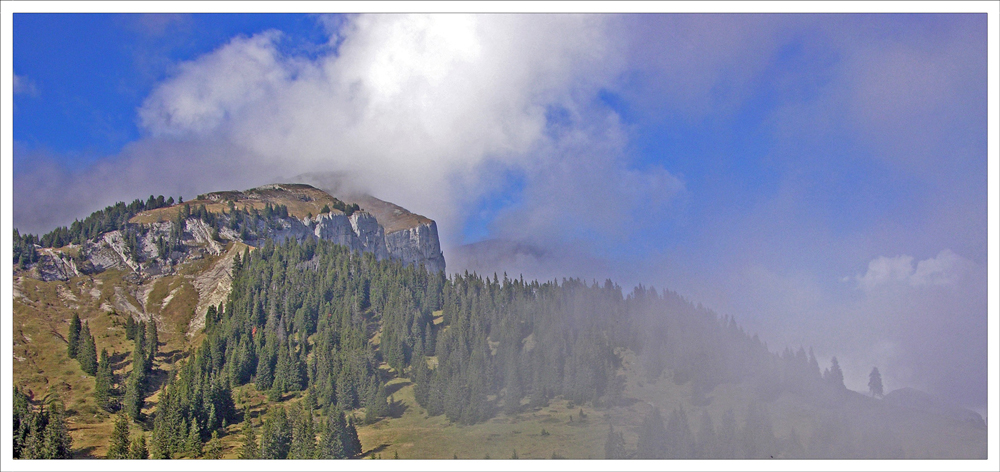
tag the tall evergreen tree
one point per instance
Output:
(614, 445)
(875, 382)
(334, 432)
(103, 380)
(834, 376)
(275, 435)
(377, 405)
(118, 446)
(193, 443)
(74, 336)
(728, 442)
(352, 444)
(56, 441)
(303, 435)
(214, 448)
(152, 342)
(138, 449)
(250, 448)
(652, 437)
(87, 351)
(134, 398)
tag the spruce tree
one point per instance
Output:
(652, 437)
(875, 382)
(130, 328)
(250, 449)
(377, 405)
(614, 445)
(152, 343)
(352, 444)
(138, 449)
(103, 380)
(193, 444)
(422, 382)
(214, 449)
(332, 437)
(87, 351)
(118, 447)
(303, 435)
(56, 441)
(835, 376)
(74, 336)
(133, 400)
(24, 419)
(275, 435)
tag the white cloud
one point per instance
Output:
(410, 107)
(24, 85)
(213, 87)
(944, 269)
(883, 270)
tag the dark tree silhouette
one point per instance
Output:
(875, 382)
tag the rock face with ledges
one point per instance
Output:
(381, 228)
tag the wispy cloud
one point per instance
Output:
(24, 85)
(947, 268)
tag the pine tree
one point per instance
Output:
(614, 445)
(352, 444)
(875, 382)
(134, 399)
(138, 449)
(214, 449)
(87, 351)
(152, 343)
(74, 336)
(303, 435)
(56, 441)
(102, 383)
(652, 437)
(118, 448)
(834, 376)
(275, 435)
(250, 449)
(422, 381)
(377, 405)
(24, 419)
(332, 437)
(130, 328)
(193, 445)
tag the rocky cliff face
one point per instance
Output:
(410, 238)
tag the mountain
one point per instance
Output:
(379, 227)
(275, 310)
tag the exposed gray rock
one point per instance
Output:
(417, 245)
(381, 228)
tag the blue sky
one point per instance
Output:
(820, 177)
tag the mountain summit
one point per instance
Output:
(162, 235)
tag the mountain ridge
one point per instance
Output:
(310, 213)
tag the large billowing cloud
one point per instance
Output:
(408, 107)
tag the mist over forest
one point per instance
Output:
(500, 236)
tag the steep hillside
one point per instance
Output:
(261, 315)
